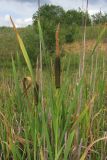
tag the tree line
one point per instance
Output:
(70, 21)
(71, 28)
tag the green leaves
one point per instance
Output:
(23, 49)
(49, 128)
(98, 39)
(68, 145)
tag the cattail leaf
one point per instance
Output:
(15, 150)
(98, 40)
(23, 49)
(68, 144)
(41, 36)
(59, 153)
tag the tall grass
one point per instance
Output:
(47, 130)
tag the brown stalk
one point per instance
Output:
(57, 41)
(91, 145)
(57, 59)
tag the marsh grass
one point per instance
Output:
(47, 130)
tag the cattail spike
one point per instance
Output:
(57, 72)
(57, 59)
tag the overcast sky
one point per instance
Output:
(22, 10)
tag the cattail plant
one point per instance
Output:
(57, 60)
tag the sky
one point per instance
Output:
(22, 10)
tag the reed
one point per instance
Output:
(35, 129)
(57, 60)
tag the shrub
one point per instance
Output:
(69, 38)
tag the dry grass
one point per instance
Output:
(76, 47)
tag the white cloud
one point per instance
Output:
(19, 22)
(68, 4)
(17, 8)
(28, 20)
(93, 7)
(23, 22)
(6, 17)
(4, 20)
(22, 10)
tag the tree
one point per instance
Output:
(50, 16)
(99, 18)
(76, 17)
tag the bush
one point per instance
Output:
(72, 33)
(69, 38)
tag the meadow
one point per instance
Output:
(53, 113)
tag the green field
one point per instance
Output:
(65, 123)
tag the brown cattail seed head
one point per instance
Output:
(57, 59)
(57, 72)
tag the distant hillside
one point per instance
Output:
(9, 45)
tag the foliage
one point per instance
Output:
(72, 33)
(71, 29)
(76, 17)
(69, 38)
(53, 129)
(66, 123)
(51, 15)
(99, 18)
